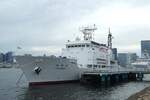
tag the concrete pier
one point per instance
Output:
(109, 78)
(140, 76)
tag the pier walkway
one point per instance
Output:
(113, 74)
(117, 70)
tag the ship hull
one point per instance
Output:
(31, 84)
(52, 70)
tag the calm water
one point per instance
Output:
(73, 91)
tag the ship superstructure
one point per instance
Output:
(88, 53)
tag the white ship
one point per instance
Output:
(78, 55)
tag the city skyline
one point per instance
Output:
(145, 48)
(43, 27)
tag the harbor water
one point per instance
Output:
(9, 90)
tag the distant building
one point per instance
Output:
(1, 57)
(9, 57)
(122, 59)
(145, 47)
(125, 59)
(114, 50)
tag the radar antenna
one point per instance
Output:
(110, 39)
(88, 32)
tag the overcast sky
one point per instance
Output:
(43, 26)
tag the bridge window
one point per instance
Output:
(83, 45)
(95, 66)
(99, 66)
(87, 45)
(72, 46)
(68, 46)
(89, 66)
(57, 65)
(103, 66)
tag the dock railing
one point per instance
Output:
(117, 70)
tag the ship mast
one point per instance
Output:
(88, 32)
(110, 39)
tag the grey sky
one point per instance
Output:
(43, 26)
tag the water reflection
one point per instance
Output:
(77, 91)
